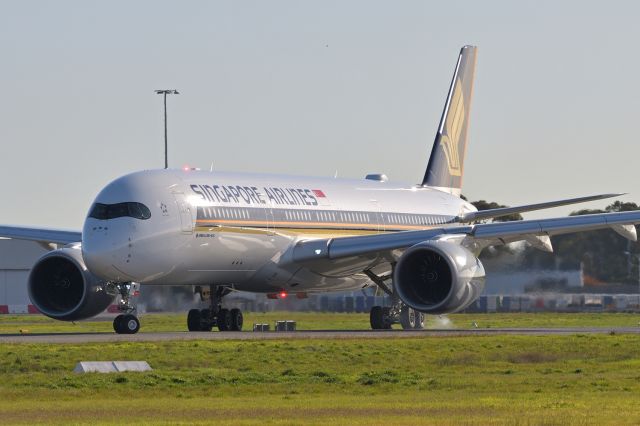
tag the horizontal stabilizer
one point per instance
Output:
(506, 211)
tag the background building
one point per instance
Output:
(16, 259)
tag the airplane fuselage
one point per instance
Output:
(190, 227)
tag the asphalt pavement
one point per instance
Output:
(319, 334)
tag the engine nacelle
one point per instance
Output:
(61, 287)
(438, 277)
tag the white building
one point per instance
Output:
(16, 259)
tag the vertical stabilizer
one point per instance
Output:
(446, 163)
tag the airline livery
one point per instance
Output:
(222, 232)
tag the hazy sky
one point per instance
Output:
(307, 87)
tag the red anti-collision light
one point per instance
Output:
(280, 295)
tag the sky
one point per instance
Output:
(311, 88)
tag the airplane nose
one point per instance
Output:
(122, 234)
(106, 249)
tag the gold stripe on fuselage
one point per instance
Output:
(328, 230)
(289, 232)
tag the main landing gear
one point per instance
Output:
(215, 315)
(382, 318)
(127, 322)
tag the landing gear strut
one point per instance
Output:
(382, 318)
(127, 322)
(215, 315)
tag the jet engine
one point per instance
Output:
(62, 288)
(438, 277)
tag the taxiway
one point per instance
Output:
(76, 338)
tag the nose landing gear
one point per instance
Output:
(215, 315)
(127, 322)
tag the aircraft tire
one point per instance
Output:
(386, 318)
(375, 318)
(194, 319)
(224, 320)
(130, 324)
(419, 321)
(236, 319)
(408, 318)
(206, 320)
(117, 327)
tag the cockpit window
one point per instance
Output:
(111, 211)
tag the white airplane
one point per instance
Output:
(222, 232)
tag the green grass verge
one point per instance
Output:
(327, 321)
(579, 379)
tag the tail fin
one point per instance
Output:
(446, 164)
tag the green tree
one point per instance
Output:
(604, 254)
(488, 205)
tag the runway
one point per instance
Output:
(75, 338)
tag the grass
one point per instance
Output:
(501, 379)
(579, 379)
(326, 321)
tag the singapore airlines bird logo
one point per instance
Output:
(454, 124)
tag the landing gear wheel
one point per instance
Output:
(116, 323)
(407, 318)
(126, 324)
(206, 320)
(130, 324)
(224, 320)
(375, 318)
(235, 316)
(194, 320)
(419, 320)
(386, 318)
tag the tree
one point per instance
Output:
(604, 254)
(486, 205)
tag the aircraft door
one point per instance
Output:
(184, 211)
(268, 210)
(379, 220)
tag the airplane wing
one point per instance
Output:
(505, 211)
(473, 237)
(43, 235)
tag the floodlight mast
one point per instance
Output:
(166, 92)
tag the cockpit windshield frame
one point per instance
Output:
(132, 209)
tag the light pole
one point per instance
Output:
(166, 92)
